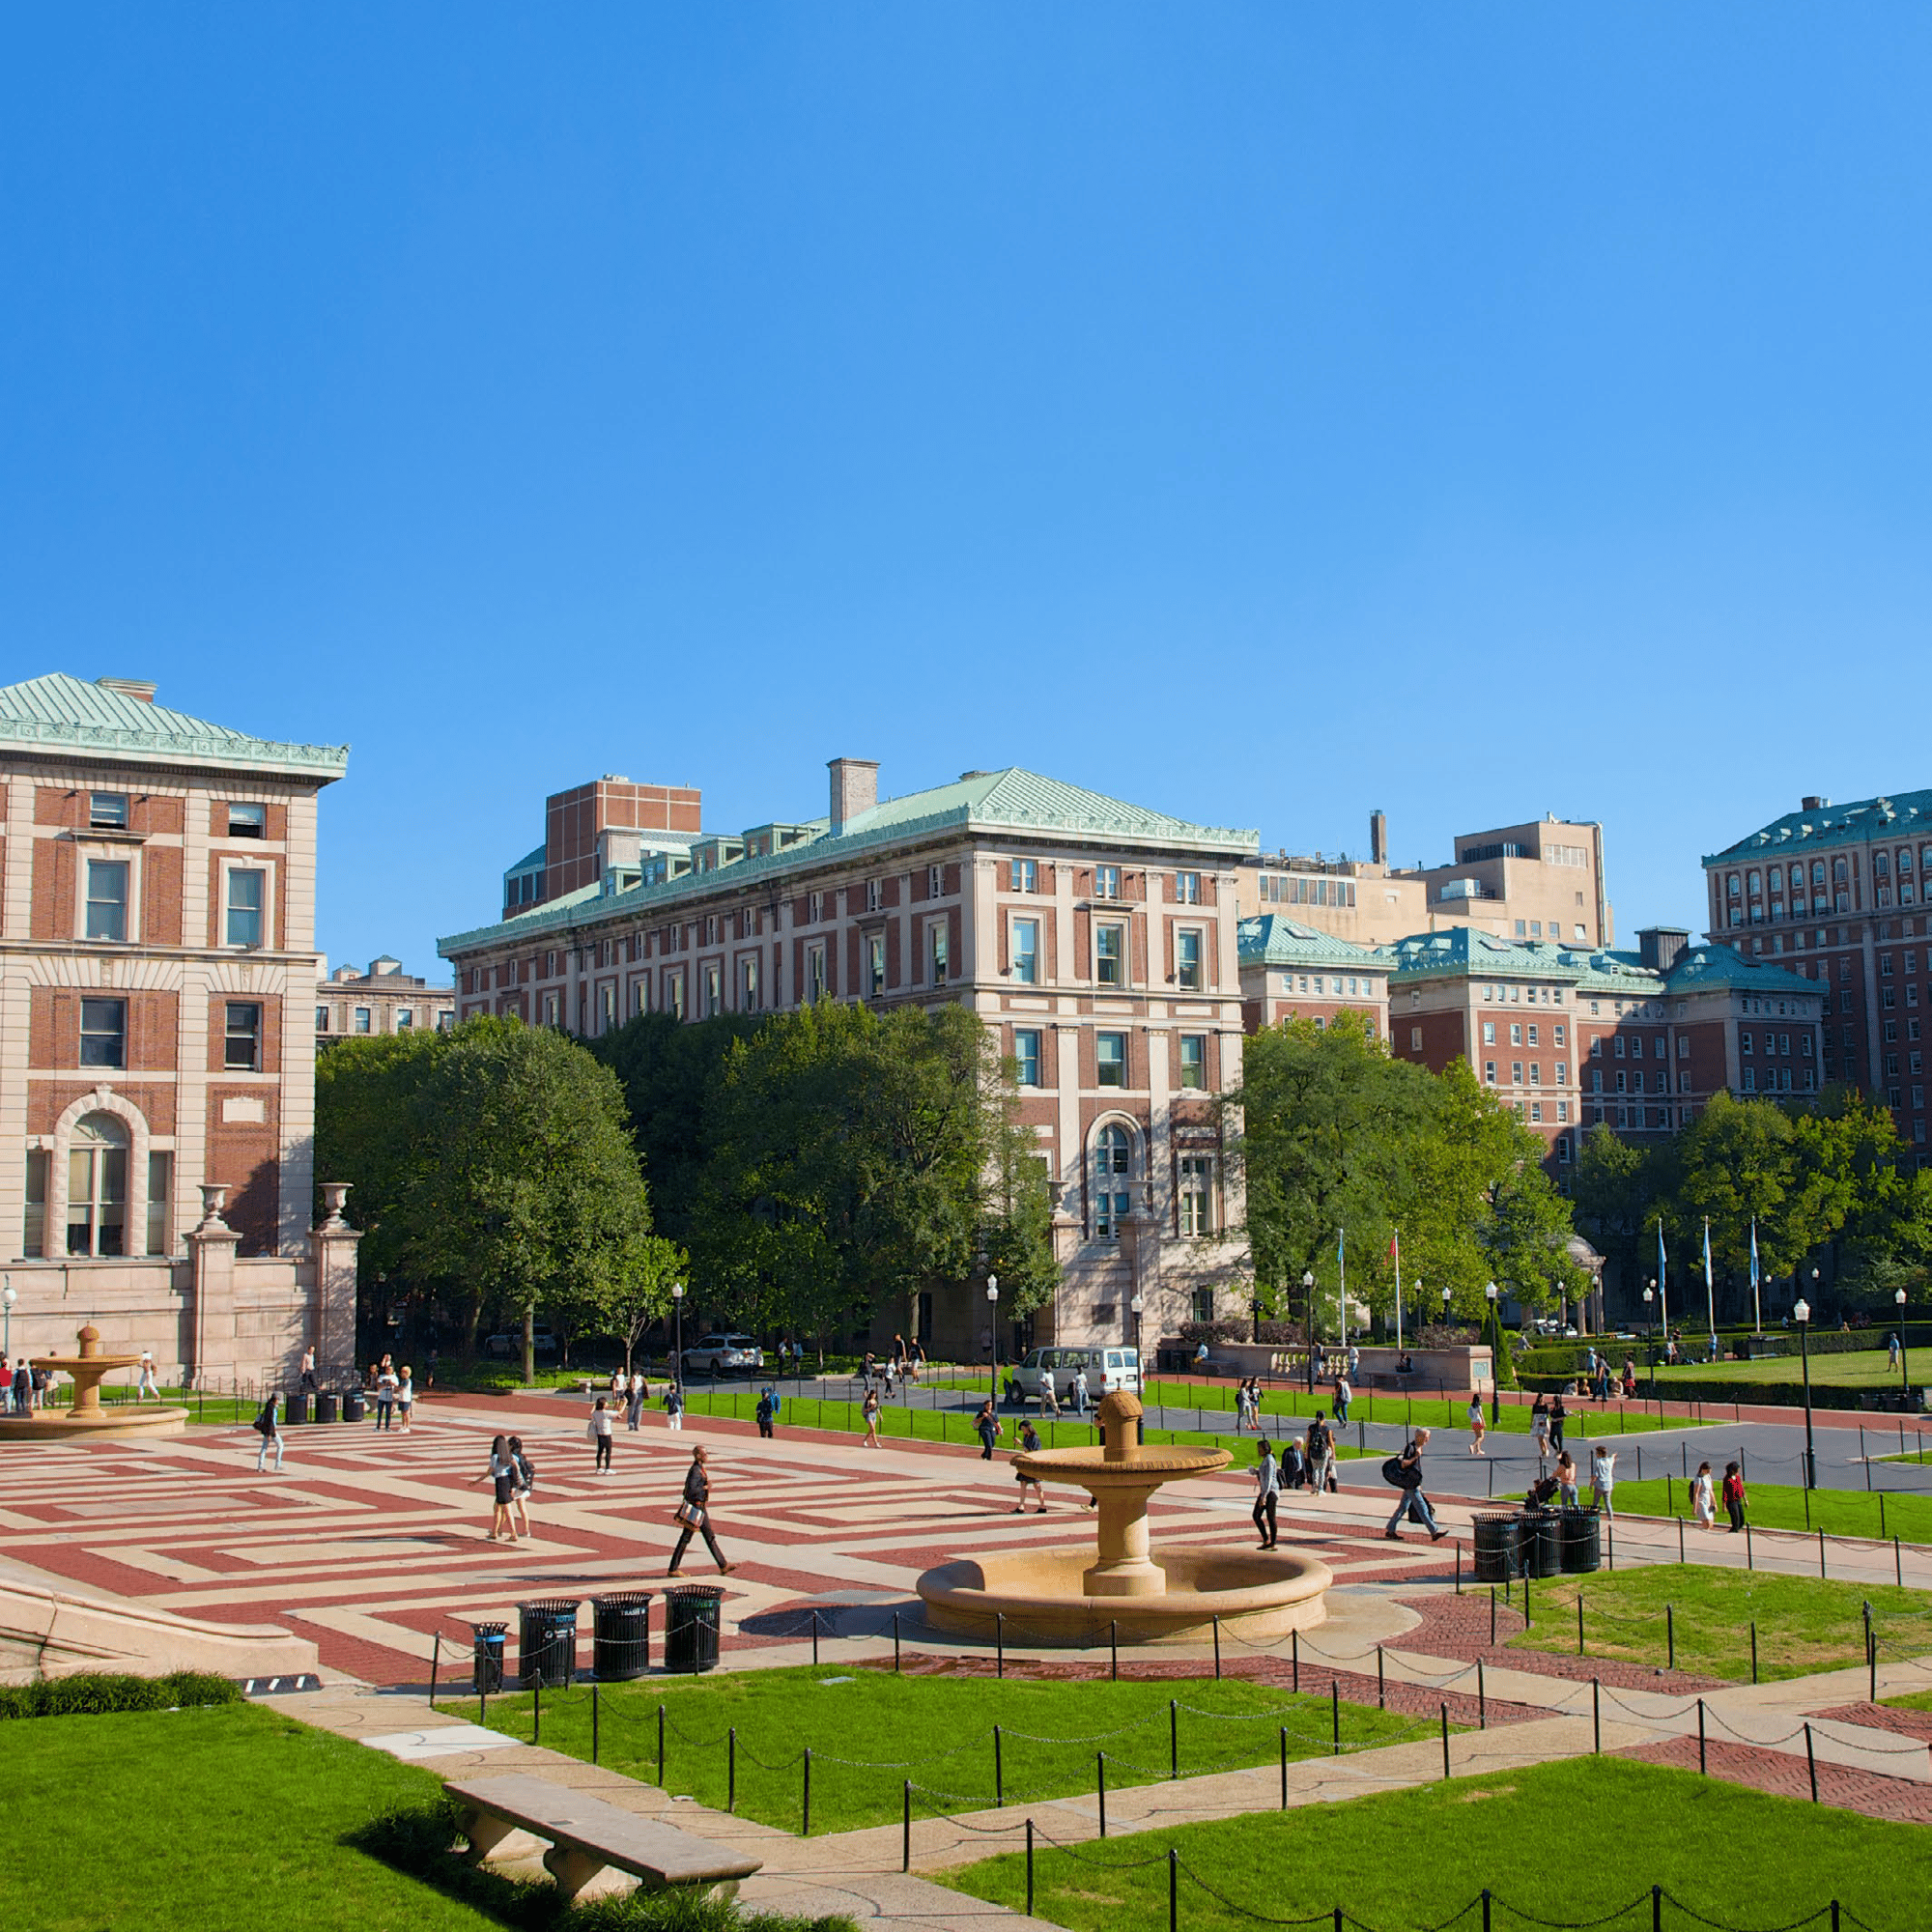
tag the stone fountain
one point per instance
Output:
(1068, 1596)
(85, 1419)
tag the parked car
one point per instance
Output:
(509, 1346)
(724, 1354)
(1108, 1370)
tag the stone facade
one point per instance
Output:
(350, 1003)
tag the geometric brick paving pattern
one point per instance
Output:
(367, 1542)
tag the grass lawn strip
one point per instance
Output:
(1803, 1625)
(1851, 1513)
(1566, 1842)
(1860, 1368)
(870, 1730)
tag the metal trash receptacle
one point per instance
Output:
(329, 1406)
(1581, 1546)
(294, 1408)
(486, 1657)
(620, 1636)
(692, 1615)
(1541, 1542)
(354, 1406)
(547, 1642)
(1498, 1549)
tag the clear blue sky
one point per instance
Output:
(1262, 413)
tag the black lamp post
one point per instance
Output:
(1255, 1320)
(1495, 1351)
(993, 1322)
(1802, 1315)
(1308, 1302)
(1140, 1372)
(1904, 1353)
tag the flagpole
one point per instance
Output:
(1757, 1306)
(1342, 1283)
(1397, 1245)
(1663, 1288)
(1710, 1287)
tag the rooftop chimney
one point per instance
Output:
(1813, 803)
(855, 789)
(1378, 836)
(129, 687)
(1660, 946)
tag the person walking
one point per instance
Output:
(1891, 1351)
(1244, 1409)
(1320, 1455)
(405, 1400)
(599, 1430)
(149, 1384)
(1539, 1435)
(673, 1400)
(1566, 1479)
(1703, 1503)
(1080, 1390)
(767, 1410)
(1478, 1427)
(693, 1513)
(386, 1384)
(1734, 1496)
(1413, 1503)
(308, 1370)
(1558, 1416)
(1268, 1492)
(635, 1392)
(1354, 1364)
(503, 1474)
(1603, 1477)
(1049, 1401)
(869, 1409)
(986, 1427)
(1028, 1446)
(524, 1479)
(1343, 1396)
(268, 1429)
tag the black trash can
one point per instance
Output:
(1498, 1556)
(546, 1643)
(1542, 1542)
(620, 1636)
(1582, 1542)
(692, 1614)
(486, 1657)
(329, 1406)
(354, 1406)
(294, 1408)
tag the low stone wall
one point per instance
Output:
(1450, 1371)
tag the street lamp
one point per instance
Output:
(7, 1297)
(1904, 1353)
(1308, 1302)
(993, 1324)
(677, 1304)
(1446, 1308)
(1496, 1367)
(1802, 1315)
(1137, 1304)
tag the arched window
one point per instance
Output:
(1817, 871)
(1881, 864)
(1905, 858)
(97, 1186)
(1838, 868)
(1113, 1165)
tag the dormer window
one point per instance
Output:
(107, 810)
(247, 821)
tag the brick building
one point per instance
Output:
(1292, 971)
(1839, 896)
(1096, 939)
(350, 1001)
(157, 969)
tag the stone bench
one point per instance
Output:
(591, 1840)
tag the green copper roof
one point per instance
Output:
(1725, 966)
(68, 714)
(1008, 802)
(1270, 940)
(1604, 972)
(1906, 816)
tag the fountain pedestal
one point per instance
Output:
(85, 1417)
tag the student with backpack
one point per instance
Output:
(1322, 1454)
(1404, 1471)
(767, 1411)
(270, 1431)
(523, 1479)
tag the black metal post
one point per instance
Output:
(661, 1747)
(804, 1821)
(1335, 1711)
(1702, 1769)
(1597, 1716)
(905, 1834)
(1445, 1741)
(1217, 1649)
(1173, 1889)
(1114, 1646)
(435, 1659)
(1382, 1692)
(1000, 1639)
(1482, 1699)
(594, 1723)
(1173, 1739)
(731, 1768)
(1029, 1857)
(999, 1769)
(1670, 1634)
(1101, 1778)
(1284, 1767)
(1810, 1451)
(1811, 1763)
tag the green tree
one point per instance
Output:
(1618, 1189)
(1740, 1164)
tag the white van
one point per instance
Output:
(1108, 1370)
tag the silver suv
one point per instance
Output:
(724, 1354)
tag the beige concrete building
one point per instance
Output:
(351, 1002)
(1098, 941)
(157, 1061)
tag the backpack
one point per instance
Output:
(529, 1469)
(1317, 1438)
(1403, 1475)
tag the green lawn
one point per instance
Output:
(1862, 1368)
(1779, 1506)
(212, 1409)
(937, 1731)
(1917, 1700)
(1617, 1418)
(1803, 1623)
(1564, 1841)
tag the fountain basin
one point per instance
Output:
(86, 1420)
(1042, 1595)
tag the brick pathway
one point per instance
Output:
(1786, 1776)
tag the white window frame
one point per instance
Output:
(1030, 976)
(246, 863)
(1199, 936)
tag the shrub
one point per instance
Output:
(93, 1693)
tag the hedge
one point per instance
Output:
(94, 1694)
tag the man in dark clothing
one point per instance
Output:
(693, 1514)
(986, 1425)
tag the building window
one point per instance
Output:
(935, 952)
(247, 821)
(606, 1007)
(1026, 951)
(104, 1032)
(1516, 1033)
(1187, 960)
(1026, 1056)
(321, 1019)
(1196, 1196)
(815, 974)
(107, 898)
(1106, 882)
(406, 1020)
(242, 1037)
(1188, 888)
(107, 810)
(1489, 1034)
(1194, 1060)
(1110, 1051)
(714, 991)
(1112, 1158)
(814, 907)
(748, 983)
(97, 1187)
(1025, 876)
(1562, 1073)
(1110, 951)
(674, 995)
(1202, 1302)
(874, 895)
(246, 896)
(934, 883)
(34, 1233)
(1490, 1072)
(361, 1019)
(161, 1191)
(1415, 1039)
(548, 1009)
(1515, 1073)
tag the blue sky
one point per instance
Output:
(1261, 412)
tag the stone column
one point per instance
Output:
(332, 1257)
(210, 1251)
